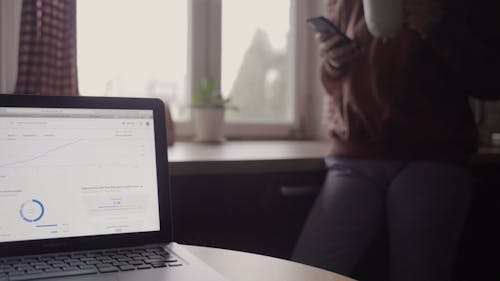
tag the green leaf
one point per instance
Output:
(206, 95)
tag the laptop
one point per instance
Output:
(84, 192)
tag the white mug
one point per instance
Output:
(384, 18)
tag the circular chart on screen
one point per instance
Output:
(32, 210)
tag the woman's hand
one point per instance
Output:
(423, 15)
(336, 57)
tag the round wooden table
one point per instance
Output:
(241, 266)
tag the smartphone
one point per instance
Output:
(328, 28)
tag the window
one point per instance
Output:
(134, 48)
(160, 48)
(256, 60)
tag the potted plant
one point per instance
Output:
(208, 112)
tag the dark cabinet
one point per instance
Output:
(258, 212)
(477, 256)
(264, 212)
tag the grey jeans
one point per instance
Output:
(422, 204)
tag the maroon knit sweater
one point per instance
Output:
(402, 98)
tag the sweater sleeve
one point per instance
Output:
(330, 74)
(330, 80)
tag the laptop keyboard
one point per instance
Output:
(82, 263)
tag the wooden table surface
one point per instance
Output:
(241, 266)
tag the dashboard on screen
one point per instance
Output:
(68, 172)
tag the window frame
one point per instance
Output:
(205, 58)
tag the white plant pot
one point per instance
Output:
(208, 124)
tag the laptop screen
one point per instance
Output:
(70, 172)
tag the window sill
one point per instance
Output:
(243, 157)
(240, 157)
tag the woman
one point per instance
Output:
(401, 131)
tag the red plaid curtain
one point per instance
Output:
(47, 48)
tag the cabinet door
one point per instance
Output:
(480, 241)
(259, 213)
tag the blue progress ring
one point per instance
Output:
(37, 218)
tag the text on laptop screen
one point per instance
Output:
(76, 172)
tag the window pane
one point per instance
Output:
(134, 48)
(255, 60)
